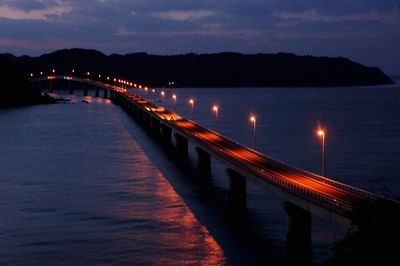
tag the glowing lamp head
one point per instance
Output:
(54, 71)
(88, 73)
(108, 78)
(153, 90)
(215, 108)
(73, 71)
(191, 101)
(41, 73)
(321, 132)
(174, 96)
(31, 74)
(252, 119)
(99, 76)
(162, 93)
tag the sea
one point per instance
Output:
(81, 183)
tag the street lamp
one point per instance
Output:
(162, 94)
(54, 71)
(216, 110)
(174, 98)
(154, 95)
(321, 133)
(191, 102)
(253, 120)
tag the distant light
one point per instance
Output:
(174, 96)
(108, 78)
(99, 76)
(41, 73)
(252, 119)
(321, 132)
(162, 93)
(54, 71)
(215, 108)
(31, 74)
(88, 73)
(73, 70)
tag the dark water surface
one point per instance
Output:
(83, 184)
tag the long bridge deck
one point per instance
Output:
(309, 191)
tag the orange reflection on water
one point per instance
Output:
(166, 227)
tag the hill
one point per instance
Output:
(211, 70)
(15, 88)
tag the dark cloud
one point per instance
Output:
(334, 28)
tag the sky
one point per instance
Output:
(366, 31)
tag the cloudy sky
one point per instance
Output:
(366, 31)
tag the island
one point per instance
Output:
(210, 70)
(15, 88)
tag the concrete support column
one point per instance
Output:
(166, 134)
(155, 127)
(203, 161)
(237, 187)
(146, 120)
(71, 91)
(85, 90)
(181, 145)
(51, 86)
(105, 95)
(298, 240)
(97, 92)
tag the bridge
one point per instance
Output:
(304, 193)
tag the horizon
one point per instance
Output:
(211, 53)
(367, 34)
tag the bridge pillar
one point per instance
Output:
(298, 240)
(85, 90)
(105, 94)
(71, 91)
(51, 86)
(146, 120)
(155, 127)
(181, 145)
(97, 92)
(166, 134)
(237, 187)
(203, 161)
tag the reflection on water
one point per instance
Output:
(82, 184)
(177, 231)
(76, 189)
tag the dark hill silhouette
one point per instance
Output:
(212, 70)
(15, 88)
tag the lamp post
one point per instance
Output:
(322, 134)
(191, 102)
(253, 120)
(216, 110)
(154, 95)
(174, 98)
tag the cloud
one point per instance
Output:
(313, 15)
(45, 13)
(205, 30)
(182, 15)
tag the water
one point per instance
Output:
(83, 184)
